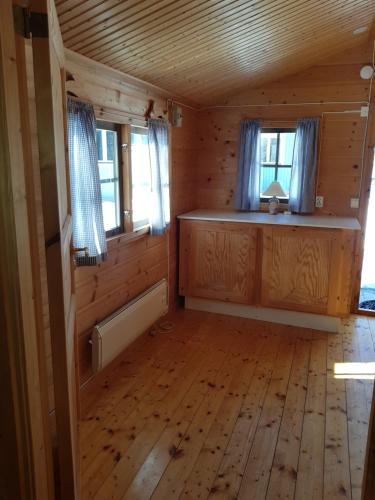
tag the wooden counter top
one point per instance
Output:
(320, 221)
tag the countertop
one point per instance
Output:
(321, 221)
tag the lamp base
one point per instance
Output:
(273, 205)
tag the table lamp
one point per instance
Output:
(275, 191)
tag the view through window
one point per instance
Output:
(277, 147)
(141, 177)
(367, 292)
(107, 140)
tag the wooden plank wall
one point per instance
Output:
(335, 83)
(183, 199)
(132, 265)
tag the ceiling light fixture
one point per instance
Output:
(360, 30)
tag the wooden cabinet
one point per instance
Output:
(306, 269)
(284, 267)
(218, 260)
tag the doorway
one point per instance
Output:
(367, 291)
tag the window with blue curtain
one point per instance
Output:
(87, 216)
(159, 162)
(305, 158)
(288, 156)
(248, 168)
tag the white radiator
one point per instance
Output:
(112, 335)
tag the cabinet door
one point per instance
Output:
(217, 260)
(299, 268)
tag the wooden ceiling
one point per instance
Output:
(206, 49)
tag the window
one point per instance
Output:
(141, 176)
(125, 176)
(108, 140)
(277, 147)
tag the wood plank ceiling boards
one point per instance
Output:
(204, 50)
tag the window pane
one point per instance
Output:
(111, 211)
(110, 144)
(283, 176)
(141, 176)
(268, 147)
(99, 144)
(286, 147)
(267, 175)
(107, 170)
(109, 177)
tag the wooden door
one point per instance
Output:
(305, 269)
(50, 104)
(217, 260)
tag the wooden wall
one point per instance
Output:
(332, 90)
(183, 188)
(133, 264)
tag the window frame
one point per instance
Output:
(116, 127)
(126, 226)
(130, 177)
(278, 130)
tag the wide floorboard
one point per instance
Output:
(211, 406)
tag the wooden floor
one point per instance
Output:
(222, 407)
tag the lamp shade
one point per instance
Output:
(275, 189)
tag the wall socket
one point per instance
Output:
(319, 201)
(354, 202)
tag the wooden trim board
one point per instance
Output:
(292, 318)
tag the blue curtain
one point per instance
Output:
(248, 167)
(302, 184)
(160, 205)
(87, 215)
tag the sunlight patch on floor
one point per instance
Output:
(365, 371)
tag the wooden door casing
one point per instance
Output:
(303, 269)
(218, 260)
(50, 98)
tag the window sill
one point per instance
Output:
(131, 236)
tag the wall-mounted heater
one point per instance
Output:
(112, 335)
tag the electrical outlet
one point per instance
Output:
(319, 201)
(354, 202)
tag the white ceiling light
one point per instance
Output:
(366, 72)
(360, 30)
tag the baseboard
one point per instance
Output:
(292, 318)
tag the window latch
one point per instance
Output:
(128, 212)
(124, 147)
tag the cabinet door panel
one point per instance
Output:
(297, 265)
(219, 261)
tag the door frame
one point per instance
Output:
(364, 197)
(50, 96)
(25, 451)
